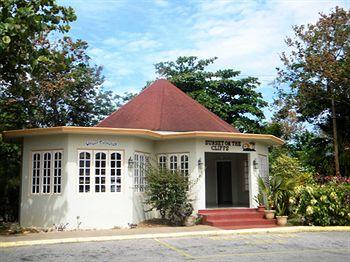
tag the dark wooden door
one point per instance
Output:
(224, 182)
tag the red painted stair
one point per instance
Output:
(235, 218)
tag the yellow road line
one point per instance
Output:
(346, 250)
(177, 250)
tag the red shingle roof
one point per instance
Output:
(164, 107)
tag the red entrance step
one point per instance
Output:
(235, 218)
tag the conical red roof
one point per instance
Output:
(164, 107)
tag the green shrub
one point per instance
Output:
(290, 168)
(167, 192)
(322, 205)
(285, 174)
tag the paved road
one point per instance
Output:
(331, 246)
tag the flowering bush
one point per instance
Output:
(335, 179)
(323, 205)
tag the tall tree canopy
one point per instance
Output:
(46, 79)
(232, 98)
(317, 69)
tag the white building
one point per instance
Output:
(93, 176)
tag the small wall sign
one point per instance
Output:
(248, 146)
(101, 142)
(216, 145)
(224, 145)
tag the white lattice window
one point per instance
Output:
(116, 171)
(100, 172)
(184, 164)
(141, 161)
(84, 171)
(46, 172)
(57, 172)
(173, 163)
(246, 175)
(263, 168)
(162, 161)
(36, 167)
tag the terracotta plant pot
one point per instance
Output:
(261, 208)
(282, 220)
(269, 214)
(190, 221)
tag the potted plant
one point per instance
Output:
(269, 212)
(260, 200)
(266, 198)
(190, 221)
(281, 214)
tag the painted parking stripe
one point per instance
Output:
(177, 250)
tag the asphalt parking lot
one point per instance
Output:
(320, 246)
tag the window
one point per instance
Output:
(246, 175)
(176, 162)
(57, 172)
(263, 168)
(100, 171)
(173, 163)
(84, 171)
(141, 160)
(46, 172)
(184, 164)
(162, 161)
(116, 172)
(36, 173)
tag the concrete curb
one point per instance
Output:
(210, 233)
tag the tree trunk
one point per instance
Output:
(335, 139)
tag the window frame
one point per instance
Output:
(246, 175)
(178, 156)
(115, 168)
(108, 183)
(41, 153)
(100, 168)
(57, 185)
(37, 168)
(49, 170)
(162, 164)
(84, 171)
(139, 187)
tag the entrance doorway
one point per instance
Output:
(226, 180)
(224, 183)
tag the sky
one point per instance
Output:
(128, 37)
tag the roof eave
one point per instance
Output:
(155, 135)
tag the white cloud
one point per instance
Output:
(245, 35)
(161, 3)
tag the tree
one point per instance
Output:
(21, 24)
(46, 79)
(317, 70)
(67, 89)
(232, 98)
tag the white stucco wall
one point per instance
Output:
(108, 210)
(43, 210)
